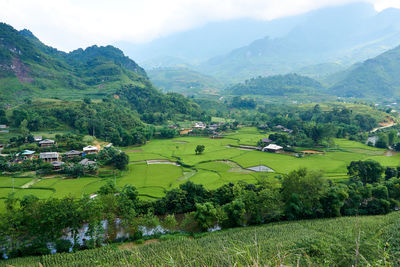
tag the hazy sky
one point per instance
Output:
(70, 24)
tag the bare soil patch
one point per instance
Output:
(390, 153)
(313, 152)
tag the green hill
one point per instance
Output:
(30, 69)
(183, 80)
(347, 241)
(278, 85)
(376, 77)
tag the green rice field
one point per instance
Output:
(163, 164)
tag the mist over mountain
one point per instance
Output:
(197, 45)
(338, 35)
(316, 44)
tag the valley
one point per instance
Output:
(230, 141)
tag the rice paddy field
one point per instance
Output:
(163, 164)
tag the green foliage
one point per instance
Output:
(199, 149)
(302, 191)
(278, 85)
(368, 171)
(375, 77)
(169, 223)
(205, 215)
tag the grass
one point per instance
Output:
(6, 181)
(324, 242)
(219, 164)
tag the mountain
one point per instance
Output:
(31, 70)
(337, 35)
(376, 77)
(193, 46)
(28, 68)
(278, 85)
(183, 80)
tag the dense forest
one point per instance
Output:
(278, 85)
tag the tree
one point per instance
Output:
(368, 171)
(302, 191)
(24, 128)
(235, 213)
(169, 223)
(396, 147)
(392, 135)
(108, 188)
(121, 160)
(205, 215)
(390, 173)
(168, 132)
(199, 149)
(381, 143)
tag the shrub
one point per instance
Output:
(63, 245)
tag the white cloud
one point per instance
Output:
(69, 24)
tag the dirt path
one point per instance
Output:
(27, 185)
(384, 125)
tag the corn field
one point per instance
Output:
(347, 241)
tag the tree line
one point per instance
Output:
(30, 223)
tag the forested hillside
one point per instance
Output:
(30, 69)
(278, 85)
(379, 77)
(183, 80)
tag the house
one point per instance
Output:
(37, 138)
(90, 150)
(57, 165)
(26, 154)
(272, 148)
(50, 156)
(283, 129)
(286, 130)
(86, 162)
(199, 126)
(109, 145)
(266, 140)
(73, 153)
(213, 127)
(46, 143)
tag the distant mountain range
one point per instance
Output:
(200, 44)
(316, 44)
(339, 36)
(377, 78)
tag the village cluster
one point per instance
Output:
(56, 158)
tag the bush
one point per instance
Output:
(139, 241)
(63, 245)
